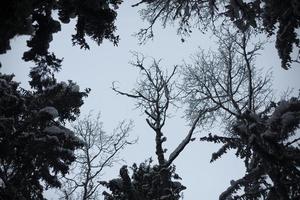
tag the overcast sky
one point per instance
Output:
(102, 65)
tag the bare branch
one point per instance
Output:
(154, 94)
(183, 143)
(220, 78)
(99, 152)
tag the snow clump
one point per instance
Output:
(75, 88)
(49, 111)
(53, 130)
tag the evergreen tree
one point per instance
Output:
(35, 145)
(226, 86)
(148, 182)
(95, 19)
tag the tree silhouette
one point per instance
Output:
(262, 15)
(100, 151)
(154, 94)
(226, 86)
(35, 145)
(95, 19)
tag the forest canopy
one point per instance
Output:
(272, 17)
(44, 144)
(95, 19)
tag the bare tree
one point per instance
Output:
(227, 86)
(264, 16)
(100, 151)
(154, 94)
(226, 83)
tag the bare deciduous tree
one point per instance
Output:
(227, 86)
(100, 151)
(226, 83)
(154, 94)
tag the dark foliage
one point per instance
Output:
(265, 142)
(95, 18)
(35, 145)
(269, 16)
(226, 86)
(147, 183)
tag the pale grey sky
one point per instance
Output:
(100, 66)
